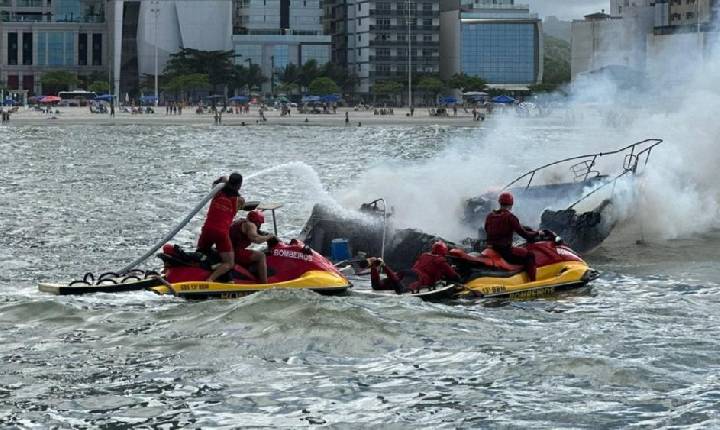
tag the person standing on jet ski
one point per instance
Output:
(243, 232)
(500, 225)
(216, 230)
(428, 269)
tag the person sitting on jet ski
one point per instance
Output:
(500, 225)
(243, 232)
(428, 269)
(216, 230)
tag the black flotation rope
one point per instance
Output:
(114, 278)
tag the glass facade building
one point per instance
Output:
(500, 53)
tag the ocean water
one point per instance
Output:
(638, 349)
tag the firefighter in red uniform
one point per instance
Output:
(500, 225)
(428, 269)
(243, 232)
(216, 230)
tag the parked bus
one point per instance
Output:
(76, 98)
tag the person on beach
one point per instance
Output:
(429, 269)
(244, 232)
(500, 225)
(216, 230)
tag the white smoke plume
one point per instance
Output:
(676, 195)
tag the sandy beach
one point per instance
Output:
(82, 115)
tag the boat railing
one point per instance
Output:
(586, 165)
(630, 166)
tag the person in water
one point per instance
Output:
(430, 268)
(500, 225)
(243, 232)
(216, 230)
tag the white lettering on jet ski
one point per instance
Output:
(292, 254)
(566, 252)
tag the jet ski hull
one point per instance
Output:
(319, 281)
(550, 279)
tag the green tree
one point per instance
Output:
(58, 80)
(323, 86)
(187, 83)
(86, 80)
(288, 88)
(342, 76)
(290, 74)
(431, 86)
(385, 89)
(308, 73)
(217, 65)
(249, 77)
(465, 83)
(99, 87)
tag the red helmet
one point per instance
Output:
(439, 248)
(168, 249)
(505, 199)
(256, 217)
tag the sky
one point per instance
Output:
(566, 9)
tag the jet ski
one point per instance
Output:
(290, 265)
(488, 275)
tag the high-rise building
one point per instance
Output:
(620, 7)
(275, 33)
(138, 26)
(675, 16)
(498, 41)
(42, 35)
(382, 40)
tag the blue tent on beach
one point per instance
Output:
(330, 98)
(310, 99)
(239, 99)
(105, 97)
(449, 100)
(503, 99)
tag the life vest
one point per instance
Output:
(223, 208)
(237, 237)
(432, 268)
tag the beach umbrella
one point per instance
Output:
(503, 99)
(239, 99)
(50, 99)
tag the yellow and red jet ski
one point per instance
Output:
(488, 275)
(290, 266)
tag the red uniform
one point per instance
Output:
(216, 230)
(499, 228)
(240, 242)
(391, 282)
(431, 268)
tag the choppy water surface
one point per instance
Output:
(638, 349)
